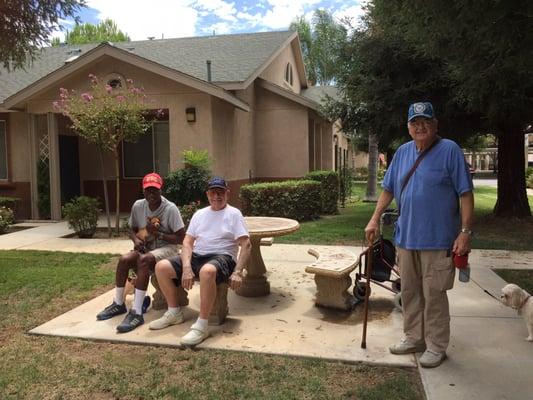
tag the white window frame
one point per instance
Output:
(288, 74)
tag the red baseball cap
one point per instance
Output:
(152, 180)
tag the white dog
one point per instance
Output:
(515, 297)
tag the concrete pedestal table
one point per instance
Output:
(255, 283)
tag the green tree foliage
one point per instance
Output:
(320, 42)
(486, 48)
(106, 116)
(106, 30)
(25, 26)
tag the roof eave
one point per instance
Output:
(289, 94)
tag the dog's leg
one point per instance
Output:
(530, 331)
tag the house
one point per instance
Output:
(244, 98)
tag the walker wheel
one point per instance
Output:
(359, 290)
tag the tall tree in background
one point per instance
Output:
(106, 30)
(320, 41)
(487, 50)
(25, 26)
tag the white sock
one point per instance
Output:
(138, 301)
(174, 310)
(201, 324)
(119, 295)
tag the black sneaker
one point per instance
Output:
(111, 311)
(131, 322)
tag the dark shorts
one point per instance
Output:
(222, 262)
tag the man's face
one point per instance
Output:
(152, 195)
(218, 198)
(422, 130)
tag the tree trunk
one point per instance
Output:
(512, 195)
(372, 182)
(117, 175)
(106, 196)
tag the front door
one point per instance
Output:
(69, 167)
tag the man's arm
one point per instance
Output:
(235, 280)
(187, 276)
(462, 244)
(372, 228)
(173, 238)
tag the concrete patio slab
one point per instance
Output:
(284, 322)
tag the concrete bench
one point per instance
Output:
(332, 269)
(218, 313)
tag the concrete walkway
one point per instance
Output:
(488, 356)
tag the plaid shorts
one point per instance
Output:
(223, 263)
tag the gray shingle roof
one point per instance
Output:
(233, 57)
(318, 93)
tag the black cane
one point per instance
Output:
(368, 271)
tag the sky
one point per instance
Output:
(141, 19)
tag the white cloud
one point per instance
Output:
(141, 19)
(220, 28)
(220, 8)
(354, 13)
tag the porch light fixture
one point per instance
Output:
(190, 113)
(335, 139)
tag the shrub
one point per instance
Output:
(6, 218)
(361, 173)
(529, 172)
(296, 199)
(329, 190)
(82, 215)
(529, 181)
(188, 184)
(9, 202)
(188, 210)
(345, 184)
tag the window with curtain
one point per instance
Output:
(3, 150)
(288, 74)
(149, 154)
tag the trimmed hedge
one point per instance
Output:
(329, 190)
(9, 202)
(296, 199)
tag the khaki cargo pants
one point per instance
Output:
(426, 275)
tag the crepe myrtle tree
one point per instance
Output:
(106, 116)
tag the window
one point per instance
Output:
(151, 153)
(3, 150)
(288, 74)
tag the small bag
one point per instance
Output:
(383, 260)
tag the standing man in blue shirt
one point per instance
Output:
(436, 209)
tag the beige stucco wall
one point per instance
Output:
(275, 72)
(19, 147)
(161, 92)
(281, 148)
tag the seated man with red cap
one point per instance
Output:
(156, 230)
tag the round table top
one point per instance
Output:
(270, 226)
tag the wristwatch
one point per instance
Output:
(467, 231)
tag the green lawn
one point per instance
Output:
(37, 286)
(347, 228)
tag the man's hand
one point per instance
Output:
(371, 231)
(187, 278)
(461, 246)
(235, 280)
(138, 244)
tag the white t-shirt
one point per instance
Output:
(216, 232)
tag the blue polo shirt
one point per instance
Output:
(429, 216)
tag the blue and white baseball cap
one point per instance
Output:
(420, 109)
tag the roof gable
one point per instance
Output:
(234, 58)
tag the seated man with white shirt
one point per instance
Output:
(209, 252)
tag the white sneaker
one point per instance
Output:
(194, 337)
(431, 359)
(406, 347)
(168, 318)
